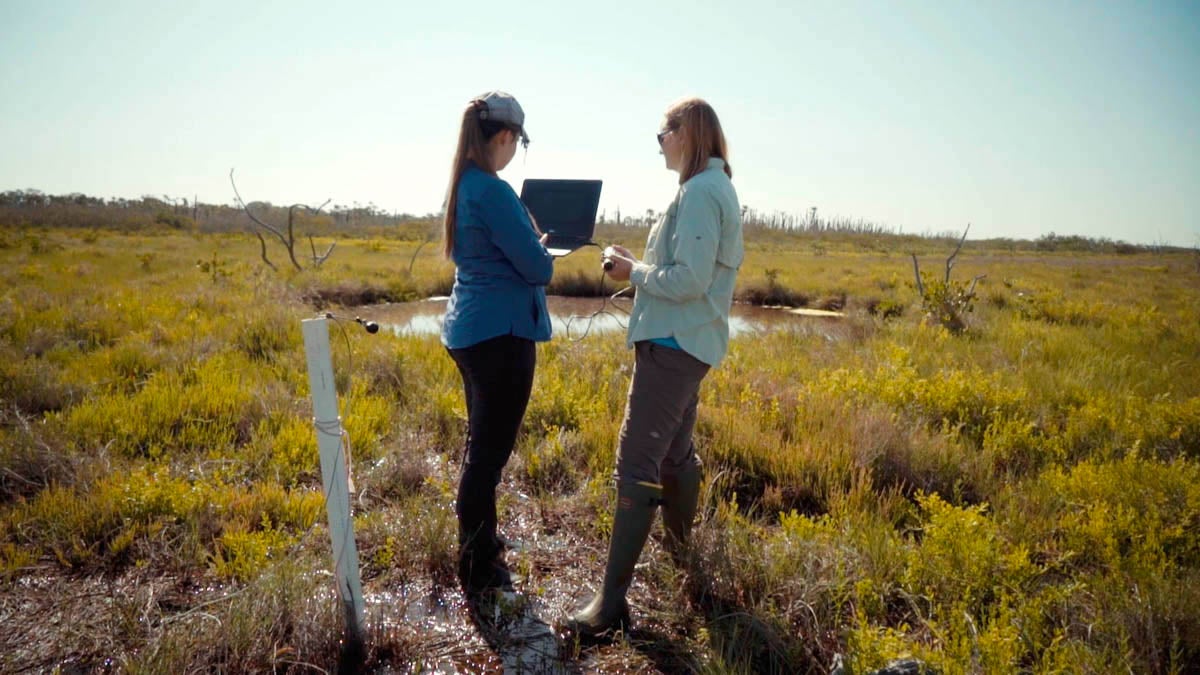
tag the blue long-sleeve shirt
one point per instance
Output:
(502, 268)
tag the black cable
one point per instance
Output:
(590, 318)
(344, 402)
(345, 336)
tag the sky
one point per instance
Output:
(1019, 117)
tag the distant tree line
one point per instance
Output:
(1073, 242)
(33, 208)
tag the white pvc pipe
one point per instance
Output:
(334, 473)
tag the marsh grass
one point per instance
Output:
(1022, 497)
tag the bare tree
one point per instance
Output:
(288, 239)
(946, 301)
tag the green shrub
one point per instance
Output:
(967, 400)
(34, 386)
(262, 337)
(207, 408)
(550, 463)
(242, 555)
(962, 563)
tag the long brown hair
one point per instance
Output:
(701, 135)
(473, 137)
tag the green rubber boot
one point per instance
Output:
(608, 610)
(681, 493)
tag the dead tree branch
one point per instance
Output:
(279, 235)
(263, 243)
(971, 291)
(289, 239)
(945, 301)
(917, 274)
(318, 259)
(950, 260)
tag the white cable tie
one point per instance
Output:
(346, 460)
(330, 427)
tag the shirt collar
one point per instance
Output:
(715, 163)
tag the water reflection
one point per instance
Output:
(575, 317)
(509, 623)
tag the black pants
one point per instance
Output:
(497, 379)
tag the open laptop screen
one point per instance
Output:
(564, 208)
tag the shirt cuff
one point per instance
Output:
(637, 275)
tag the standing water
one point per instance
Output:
(575, 317)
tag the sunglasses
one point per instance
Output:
(663, 134)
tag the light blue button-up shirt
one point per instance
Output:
(686, 277)
(502, 268)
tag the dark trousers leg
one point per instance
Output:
(497, 380)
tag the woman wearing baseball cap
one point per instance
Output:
(497, 311)
(679, 327)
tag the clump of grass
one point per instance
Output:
(414, 537)
(769, 292)
(348, 294)
(401, 472)
(262, 337)
(966, 400)
(1053, 306)
(550, 463)
(581, 283)
(286, 618)
(833, 303)
(283, 451)
(33, 459)
(1109, 425)
(1095, 539)
(558, 404)
(207, 407)
(884, 309)
(34, 386)
(240, 553)
(738, 590)
(128, 518)
(127, 366)
(388, 370)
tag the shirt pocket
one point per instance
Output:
(664, 240)
(731, 251)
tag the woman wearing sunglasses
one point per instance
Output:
(497, 311)
(679, 328)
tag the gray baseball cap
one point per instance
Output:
(500, 106)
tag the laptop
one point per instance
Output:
(564, 209)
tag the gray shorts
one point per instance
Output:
(660, 414)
